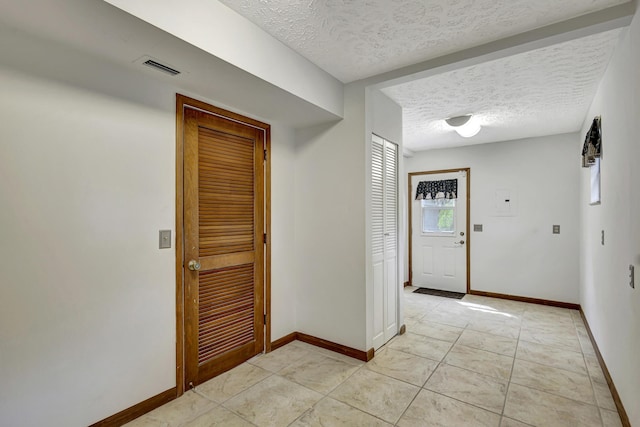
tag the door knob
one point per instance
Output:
(194, 265)
(461, 242)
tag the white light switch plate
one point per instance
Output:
(165, 239)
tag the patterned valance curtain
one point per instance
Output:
(592, 147)
(444, 189)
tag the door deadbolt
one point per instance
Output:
(462, 233)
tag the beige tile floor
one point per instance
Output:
(471, 362)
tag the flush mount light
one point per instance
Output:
(464, 126)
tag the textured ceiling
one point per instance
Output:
(540, 92)
(356, 39)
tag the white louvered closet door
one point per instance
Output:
(384, 239)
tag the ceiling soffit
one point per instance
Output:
(353, 40)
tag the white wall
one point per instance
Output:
(386, 117)
(87, 302)
(519, 255)
(334, 293)
(329, 226)
(283, 275)
(612, 308)
(87, 178)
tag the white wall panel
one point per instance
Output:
(87, 178)
(516, 253)
(611, 306)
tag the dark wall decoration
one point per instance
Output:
(592, 148)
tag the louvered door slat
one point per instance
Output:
(239, 180)
(224, 346)
(213, 325)
(226, 151)
(225, 290)
(243, 242)
(228, 327)
(230, 160)
(219, 299)
(377, 198)
(222, 319)
(213, 340)
(226, 187)
(390, 196)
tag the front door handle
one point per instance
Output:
(461, 242)
(194, 265)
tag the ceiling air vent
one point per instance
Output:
(160, 67)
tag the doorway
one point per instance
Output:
(439, 212)
(222, 240)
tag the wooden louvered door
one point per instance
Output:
(223, 243)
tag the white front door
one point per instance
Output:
(439, 235)
(384, 239)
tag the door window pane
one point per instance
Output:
(439, 216)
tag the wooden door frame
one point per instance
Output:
(183, 102)
(467, 232)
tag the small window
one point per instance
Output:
(439, 216)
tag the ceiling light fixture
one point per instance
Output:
(464, 126)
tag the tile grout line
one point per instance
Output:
(505, 395)
(561, 369)
(555, 394)
(394, 378)
(513, 365)
(591, 380)
(518, 341)
(593, 390)
(299, 417)
(364, 366)
(442, 362)
(574, 332)
(271, 374)
(193, 416)
(327, 395)
(427, 380)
